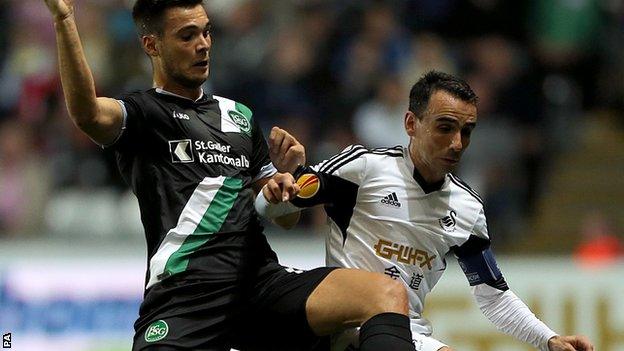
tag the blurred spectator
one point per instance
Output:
(492, 162)
(240, 50)
(511, 96)
(566, 36)
(24, 181)
(335, 73)
(29, 75)
(466, 18)
(611, 76)
(429, 52)
(379, 122)
(128, 68)
(379, 48)
(285, 89)
(600, 245)
(4, 35)
(75, 160)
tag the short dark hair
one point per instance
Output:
(148, 14)
(433, 81)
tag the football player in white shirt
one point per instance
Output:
(399, 211)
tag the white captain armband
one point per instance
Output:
(272, 211)
(512, 316)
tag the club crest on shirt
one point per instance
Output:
(448, 222)
(241, 121)
(156, 331)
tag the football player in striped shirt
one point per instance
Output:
(400, 210)
(195, 162)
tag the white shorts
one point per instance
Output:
(339, 342)
(426, 343)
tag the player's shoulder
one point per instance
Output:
(228, 104)
(460, 187)
(383, 159)
(140, 103)
(392, 151)
(352, 153)
(150, 99)
(379, 152)
(137, 95)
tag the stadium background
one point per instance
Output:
(547, 156)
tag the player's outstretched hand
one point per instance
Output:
(570, 343)
(60, 9)
(285, 151)
(281, 187)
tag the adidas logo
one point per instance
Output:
(181, 115)
(391, 200)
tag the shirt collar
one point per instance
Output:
(164, 92)
(426, 187)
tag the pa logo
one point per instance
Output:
(181, 151)
(241, 121)
(156, 331)
(6, 341)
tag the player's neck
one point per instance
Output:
(423, 169)
(161, 80)
(189, 93)
(426, 174)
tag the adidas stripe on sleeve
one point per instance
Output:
(337, 178)
(348, 164)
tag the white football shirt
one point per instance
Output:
(398, 225)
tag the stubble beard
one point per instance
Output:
(187, 82)
(183, 80)
(435, 167)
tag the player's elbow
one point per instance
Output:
(86, 119)
(86, 124)
(98, 129)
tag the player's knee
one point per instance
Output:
(446, 348)
(390, 296)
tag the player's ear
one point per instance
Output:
(150, 45)
(410, 123)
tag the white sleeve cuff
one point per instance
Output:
(512, 316)
(266, 171)
(124, 120)
(271, 211)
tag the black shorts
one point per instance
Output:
(247, 301)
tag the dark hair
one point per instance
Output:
(433, 81)
(148, 14)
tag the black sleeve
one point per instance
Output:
(321, 188)
(337, 194)
(477, 260)
(133, 123)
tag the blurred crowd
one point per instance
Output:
(331, 72)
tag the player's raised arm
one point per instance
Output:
(100, 118)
